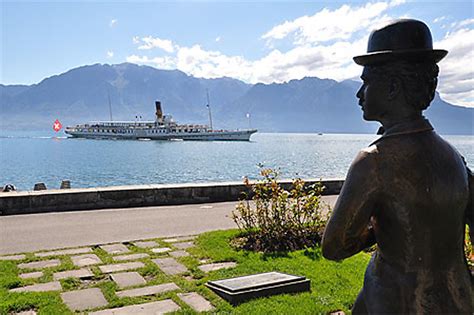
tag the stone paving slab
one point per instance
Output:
(180, 239)
(114, 249)
(40, 287)
(183, 245)
(121, 267)
(80, 273)
(72, 251)
(170, 266)
(31, 275)
(151, 290)
(196, 301)
(40, 264)
(127, 279)
(217, 266)
(145, 244)
(179, 253)
(81, 300)
(160, 250)
(13, 257)
(130, 257)
(30, 312)
(155, 308)
(85, 260)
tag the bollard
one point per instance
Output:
(40, 186)
(9, 187)
(65, 184)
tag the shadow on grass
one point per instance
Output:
(313, 253)
(272, 255)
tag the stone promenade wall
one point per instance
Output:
(132, 196)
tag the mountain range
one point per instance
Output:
(308, 105)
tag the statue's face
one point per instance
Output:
(373, 95)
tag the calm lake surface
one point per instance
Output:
(30, 157)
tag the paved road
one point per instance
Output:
(32, 232)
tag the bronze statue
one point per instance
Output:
(410, 191)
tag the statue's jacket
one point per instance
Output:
(409, 193)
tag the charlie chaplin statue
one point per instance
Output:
(410, 192)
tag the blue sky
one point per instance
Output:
(252, 41)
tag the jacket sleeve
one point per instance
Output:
(348, 230)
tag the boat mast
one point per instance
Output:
(110, 106)
(209, 108)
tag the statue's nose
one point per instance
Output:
(359, 93)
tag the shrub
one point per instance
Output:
(279, 220)
(468, 248)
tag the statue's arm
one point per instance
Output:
(347, 231)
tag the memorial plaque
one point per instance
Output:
(240, 289)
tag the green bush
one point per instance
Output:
(468, 248)
(279, 220)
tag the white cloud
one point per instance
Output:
(327, 25)
(456, 82)
(212, 64)
(136, 40)
(159, 62)
(113, 22)
(439, 19)
(334, 62)
(461, 24)
(110, 54)
(150, 42)
(218, 39)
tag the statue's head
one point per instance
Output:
(400, 71)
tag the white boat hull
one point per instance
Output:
(234, 135)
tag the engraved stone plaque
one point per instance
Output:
(240, 289)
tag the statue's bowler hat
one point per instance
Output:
(404, 39)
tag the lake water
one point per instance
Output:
(30, 157)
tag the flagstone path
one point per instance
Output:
(13, 257)
(131, 278)
(160, 250)
(196, 301)
(40, 264)
(30, 275)
(86, 260)
(179, 253)
(127, 279)
(80, 273)
(130, 257)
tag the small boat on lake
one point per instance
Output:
(163, 128)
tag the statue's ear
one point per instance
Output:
(394, 88)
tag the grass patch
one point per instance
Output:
(334, 285)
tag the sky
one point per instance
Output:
(253, 41)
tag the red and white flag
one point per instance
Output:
(57, 125)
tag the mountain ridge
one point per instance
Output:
(310, 104)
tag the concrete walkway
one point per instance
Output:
(26, 233)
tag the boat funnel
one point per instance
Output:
(159, 112)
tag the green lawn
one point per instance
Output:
(334, 285)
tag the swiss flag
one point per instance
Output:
(57, 125)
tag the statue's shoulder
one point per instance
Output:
(369, 153)
(366, 159)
